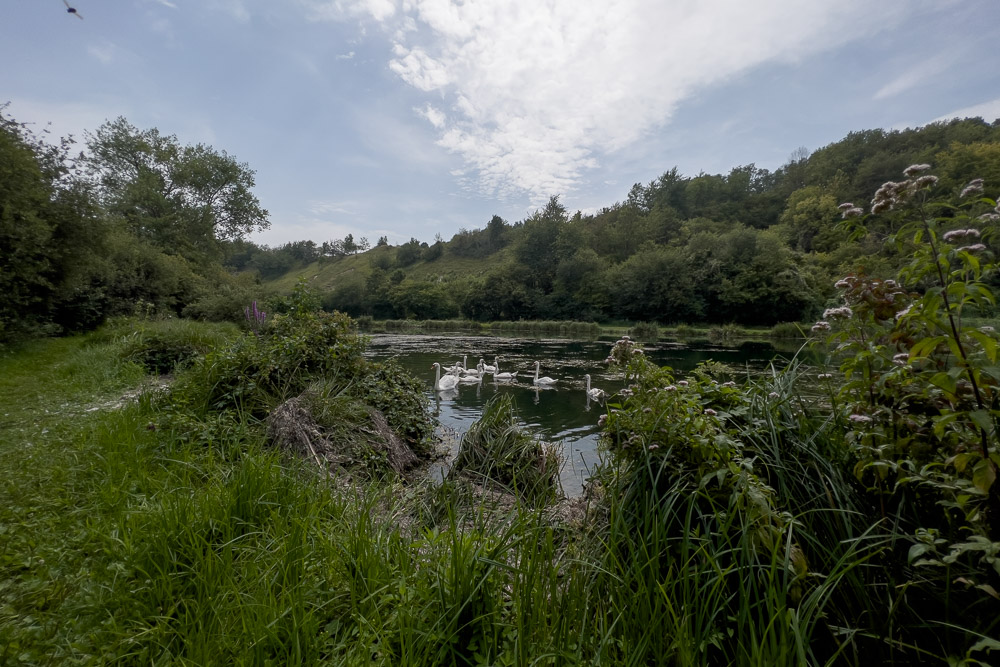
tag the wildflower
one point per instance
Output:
(852, 213)
(960, 234)
(843, 311)
(822, 325)
(602, 420)
(729, 384)
(670, 387)
(774, 394)
(637, 352)
(977, 247)
(989, 217)
(975, 187)
(710, 412)
(859, 419)
(825, 376)
(915, 169)
(646, 411)
(653, 447)
(626, 392)
(682, 383)
(879, 206)
(925, 182)
(846, 205)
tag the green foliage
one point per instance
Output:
(399, 396)
(180, 198)
(162, 346)
(257, 372)
(788, 330)
(496, 450)
(645, 331)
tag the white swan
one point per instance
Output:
(499, 376)
(542, 381)
(475, 372)
(490, 369)
(458, 367)
(596, 394)
(471, 377)
(443, 383)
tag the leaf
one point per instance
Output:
(989, 345)
(981, 418)
(983, 475)
(985, 644)
(945, 382)
(989, 590)
(916, 551)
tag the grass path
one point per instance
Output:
(48, 526)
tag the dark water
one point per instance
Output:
(563, 414)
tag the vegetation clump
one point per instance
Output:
(495, 450)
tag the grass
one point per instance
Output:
(125, 540)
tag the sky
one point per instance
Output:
(413, 118)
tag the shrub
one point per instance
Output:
(647, 331)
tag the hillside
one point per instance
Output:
(752, 247)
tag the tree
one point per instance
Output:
(51, 237)
(349, 246)
(363, 244)
(408, 253)
(382, 240)
(183, 199)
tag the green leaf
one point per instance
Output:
(944, 381)
(983, 475)
(988, 343)
(981, 418)
(916, 551)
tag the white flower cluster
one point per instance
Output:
(954, 234)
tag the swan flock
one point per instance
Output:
(447, 378)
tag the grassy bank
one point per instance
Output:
(644, 331)
(726, 528)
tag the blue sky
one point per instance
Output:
(419, 117)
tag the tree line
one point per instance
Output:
(752, 246)
(138, 220)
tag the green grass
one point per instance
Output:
(125, 540)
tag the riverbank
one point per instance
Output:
(727, 528)
(644, 331)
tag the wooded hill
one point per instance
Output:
(751, 246)
(141, 221)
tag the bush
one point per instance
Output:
(787, 330)
(647, 331)
(162, 346)
(495, 450)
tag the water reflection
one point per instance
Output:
(562, 413)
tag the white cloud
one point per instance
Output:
(434, 116)
(917, 75)
(988, 111)
(235, 8)
(531, 94)
(103, 52)
(166, 3)
(338, 10)
(61, 118)
(328, 208)
(538, 90)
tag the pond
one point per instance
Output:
(562, 414)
